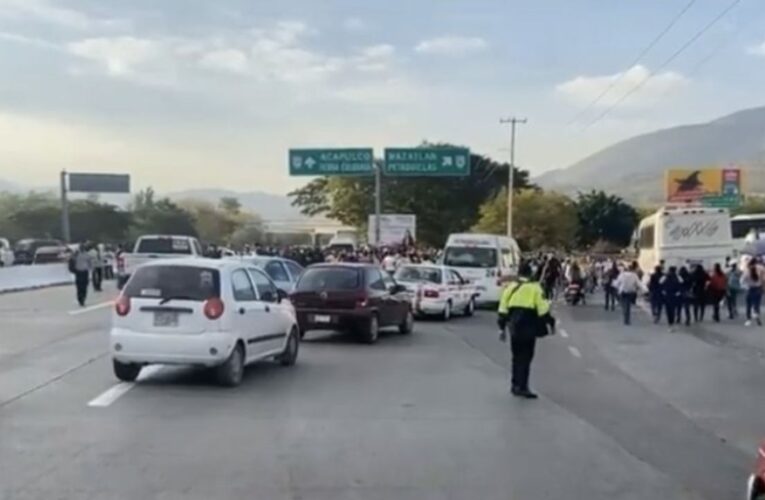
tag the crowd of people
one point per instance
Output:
(681, 295)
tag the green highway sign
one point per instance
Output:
(346, 161)
(427, 161)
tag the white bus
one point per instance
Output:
(684, 237)
(484, 259)
(746, 228)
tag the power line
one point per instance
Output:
(640, 56)
(664, 64)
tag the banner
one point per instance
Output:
(395, 229)
(715, 187)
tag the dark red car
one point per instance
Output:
(355, 297)
(756, 485)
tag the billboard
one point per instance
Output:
(714, 187)
(394, 229)
(99, 183)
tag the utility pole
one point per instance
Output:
(378, 200)
(511, 180)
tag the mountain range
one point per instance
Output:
(634, 168)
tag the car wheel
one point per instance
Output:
(470, 307)
(290, 354)
(231, 372)
(127, 372)
(447, 314)
(372, 330)
(407, 326)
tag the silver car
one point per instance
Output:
(283, 272)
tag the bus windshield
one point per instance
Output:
(470, 257)
(740, 228)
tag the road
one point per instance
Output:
(625, 413)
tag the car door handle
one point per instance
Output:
(242, 310)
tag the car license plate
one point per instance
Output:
(322, 318)
(165, 318)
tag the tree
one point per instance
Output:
(752, 205)
(230, 205)
(160, 217)
(604, 217)
(540, 219)
(442, 205)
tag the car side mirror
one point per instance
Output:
(281, 294)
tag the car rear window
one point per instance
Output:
(164, 245)
(189, 283)
(419, 274)
(329, 278)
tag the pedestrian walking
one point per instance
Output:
(671, 291)
(732, 291)
(686, 295)
(752, 283)
(716, 290)
(97, 267)
(699, 283)
(525, 313)
(655, 293)
(609, 278)
(628, 285)
(81, 265)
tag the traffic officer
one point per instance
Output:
(524, 311)
(81, 265)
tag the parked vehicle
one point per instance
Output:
(156, 246)
(283, 272)
(6, 253)
(356, 297)
(50, 255)
(24, 250)
(437, 290)
(207, 312)
(756, 483)
(487, 260)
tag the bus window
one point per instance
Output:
(647, 236)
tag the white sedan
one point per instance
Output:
(222, 314)
(437, 290)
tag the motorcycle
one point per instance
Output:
(573, 294)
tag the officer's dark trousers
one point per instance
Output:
(81, 283)
(523, 352)
(98, 278)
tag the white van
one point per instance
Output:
(747, 228)
(484, 259)
(684, 237)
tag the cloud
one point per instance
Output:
(756, 50)
(583, 90)
(394, 90)
(451, 45)
(29, 41)
(120, 56)
(354, 24)
(50, 12)
(232, 60)
(276, 53)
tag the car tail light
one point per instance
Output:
(431, 294)
(122, 306)
(213, 308)
(361, 302)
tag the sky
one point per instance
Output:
(186, 94)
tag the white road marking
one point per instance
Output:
(116, 391)
(563, 333)
(95, 307)
(574, 352)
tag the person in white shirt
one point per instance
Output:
(390, 263)
(628, 285)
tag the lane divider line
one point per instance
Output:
(95, 307)
(574, 352)
(118, 390)
(563, 333)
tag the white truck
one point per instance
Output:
(155, 246)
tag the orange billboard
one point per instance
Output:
(720, 187)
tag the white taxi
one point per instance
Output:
(214, 313)
(437, 290)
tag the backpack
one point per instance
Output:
(72, 264)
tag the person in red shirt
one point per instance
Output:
(716, 290)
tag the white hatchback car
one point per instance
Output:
(223, 314)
